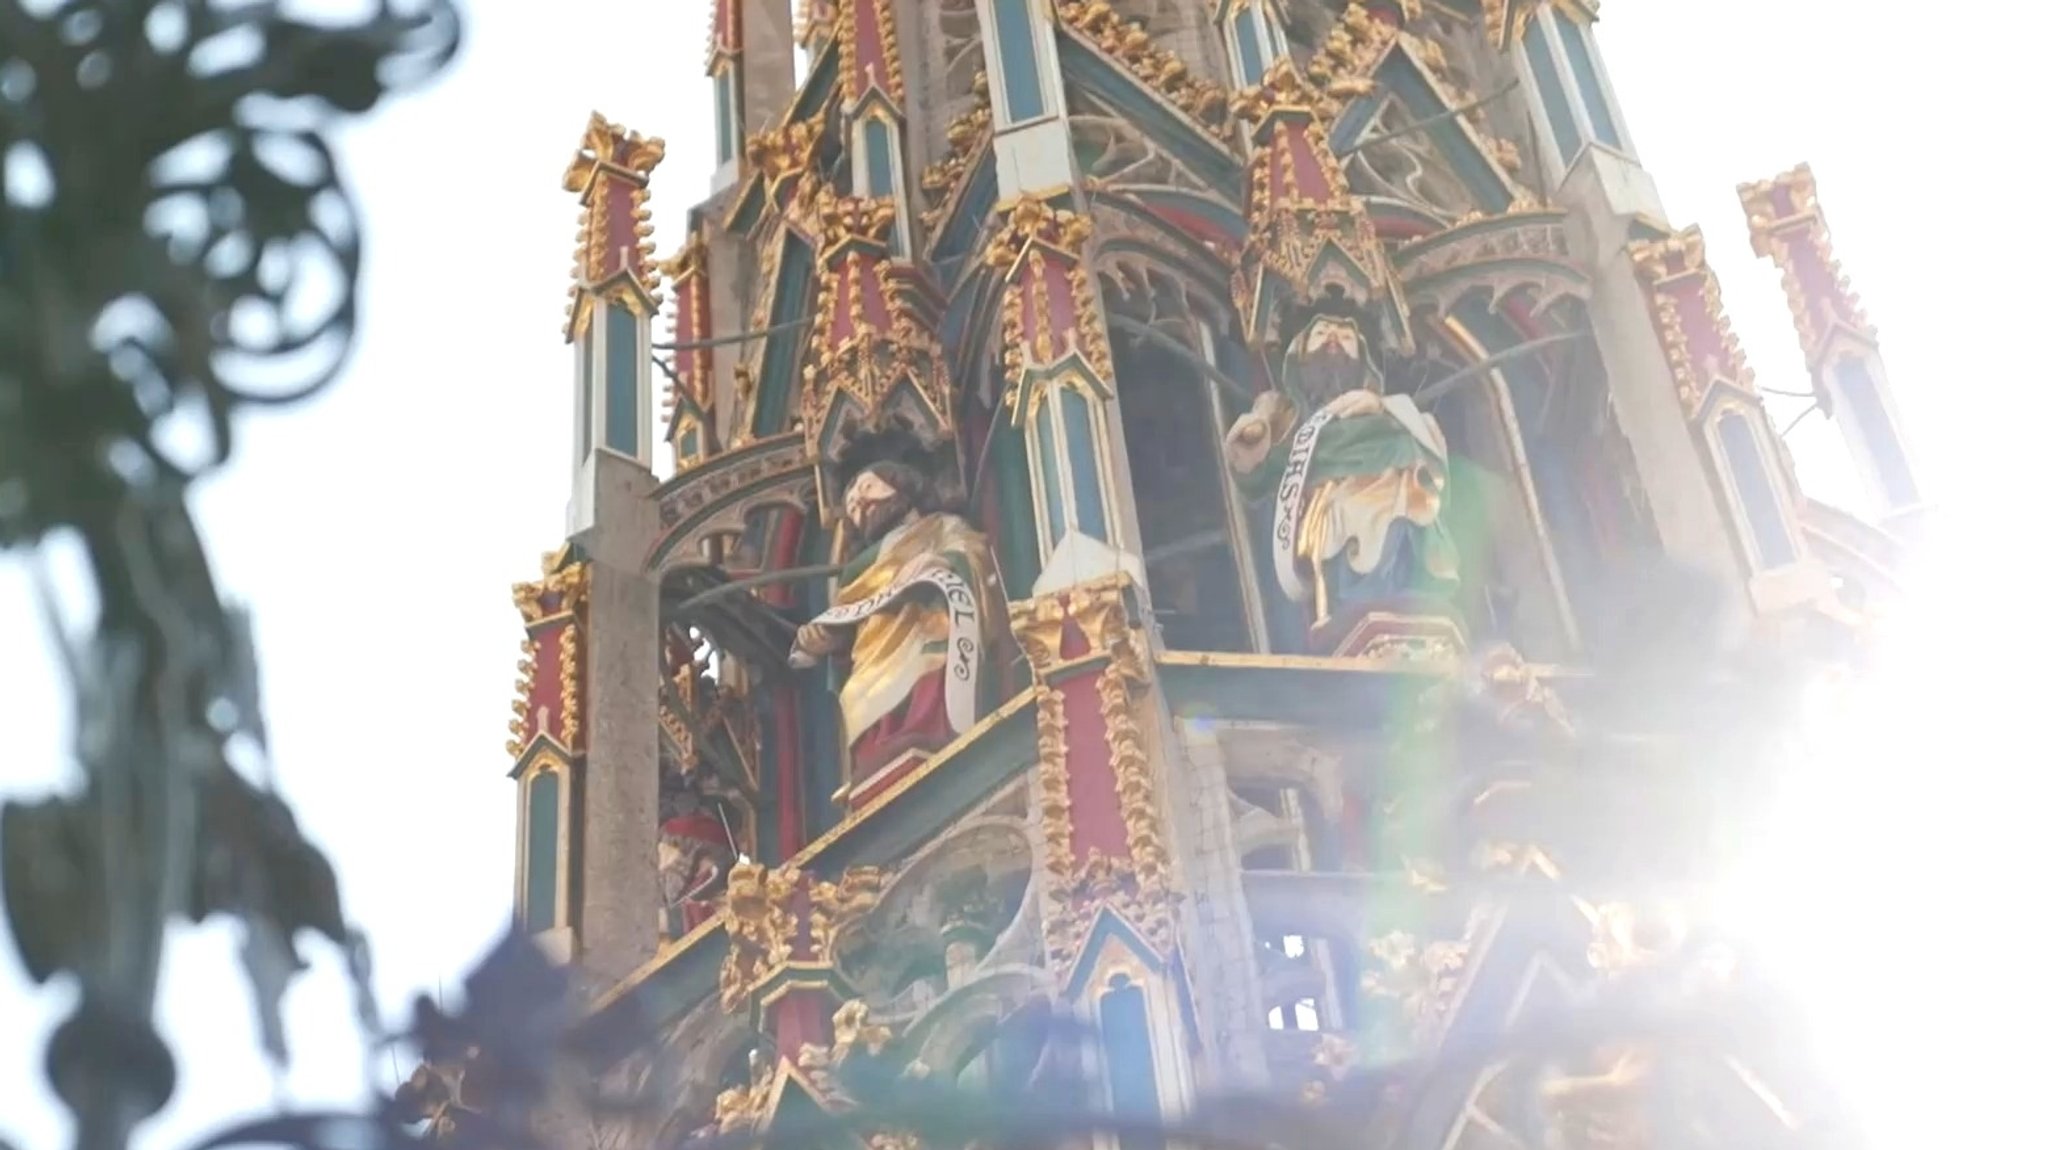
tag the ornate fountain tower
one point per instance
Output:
(1145, 489)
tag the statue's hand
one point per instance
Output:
(813, 643)
(1250, 439)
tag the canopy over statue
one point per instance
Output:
(919, 607)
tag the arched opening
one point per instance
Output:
(1192, 522)
(1548, 504)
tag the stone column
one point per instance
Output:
(615, 816)
(620, 821)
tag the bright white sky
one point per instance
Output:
(377, 530)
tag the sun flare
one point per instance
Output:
(1879, 891)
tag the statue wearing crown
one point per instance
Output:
(918, 611)
(1358, 480)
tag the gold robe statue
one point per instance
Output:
(1357, 479)
(916, 616)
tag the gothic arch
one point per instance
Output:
(1182, 377)
(1488, 420)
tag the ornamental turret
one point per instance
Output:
(1786, 226)
(612, 300)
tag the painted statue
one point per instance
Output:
(919, 608)
(1358, 478)
(692, 858)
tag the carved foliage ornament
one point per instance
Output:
(1685, 301)
(783, 916)
(691, 395)
(547, 699)
(614, 231)
(1345, 63)
(1787, 227)
(1125, 40)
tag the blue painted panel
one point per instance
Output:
(1754, 491)
(621, 380)
(1557, 108)
(543, 832)
(1880, 437)
(1132, 1070)
(1244, 35)
(1017, 50)
(1089, 515)
(874, 139)
(1049, 492)
(1580, 55)
(881, 167)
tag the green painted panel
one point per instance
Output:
(543, 862)
(1019, 535)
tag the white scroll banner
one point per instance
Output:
(1293, 493)
(1292, 496)
(963, 634)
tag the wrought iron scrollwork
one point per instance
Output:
(176, 244)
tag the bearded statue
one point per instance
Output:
(1358, 479)
(919, 609)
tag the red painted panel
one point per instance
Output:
(1091, 784)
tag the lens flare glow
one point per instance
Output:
(1890, 889)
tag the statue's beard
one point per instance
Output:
(882, 517)
(1326, 373)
